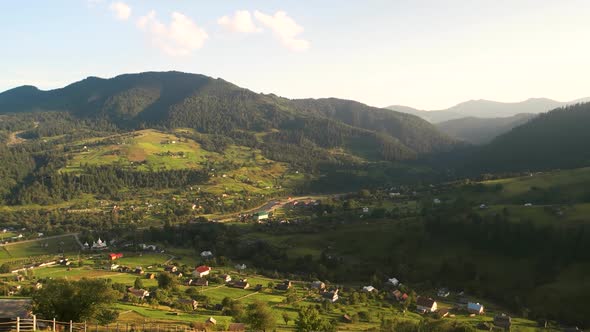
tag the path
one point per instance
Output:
(245, 296)
(39, 239)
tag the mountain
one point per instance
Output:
(479, 130)
(557, 139)
(214, 106)
(488, 109)
(430, 116)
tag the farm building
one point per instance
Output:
(331, 296)
(263, 215)
(503, 321)
(318, 285)
(201, 271)
(114, 256)
(425, 304)
(11, 309)
(475, 308)
(393, 282)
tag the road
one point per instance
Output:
(268, 206)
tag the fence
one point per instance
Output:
(34, 324)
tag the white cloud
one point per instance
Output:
(121, 10)
(240, 22)
(285, 29)
(181, 37)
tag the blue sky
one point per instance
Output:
(428, 54)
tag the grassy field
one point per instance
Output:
(41, 247)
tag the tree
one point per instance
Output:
(166, 280)
(87, 299)
(309, 320)
(286, 318)
(138, 284)
(260, 317)
(5, 268)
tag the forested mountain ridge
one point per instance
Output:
(174, 99)
(557, 139)
(479, 130)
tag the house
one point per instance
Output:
(225, 277)
(475, 308)
(86, 246)
(263, 215)
(38, 285)
(443, 292)
(442, 313)
(198, 282)
(331, 296)
(201, 271)
(189, 302)
(436, 201)
(503, 321)
(394, 194)
(365, 210)
(285, 285)
(425, 304)
(11, 309)
(138, 270)
(114, 256)
(171, 268)
(369, 289)
(242, 284)
(483, 206)
(150, 276)
(138, 293)
(393, 282)
(211, 321)
(178, 274)
(206, 254)
(318, 285)
(240, 267)
(397, 295)
(236, 327)
(528, 204)
(113, 267)
(346, 318)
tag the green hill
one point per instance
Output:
(174, 99)
(482, 130)
(557, 139)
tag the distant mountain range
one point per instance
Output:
(480, 121)
(487, 109)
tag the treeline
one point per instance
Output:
(48, 187)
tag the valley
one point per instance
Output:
(304, 190)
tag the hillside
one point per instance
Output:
(481, 130)
(557, 139)
(174, 99)
(488, 109)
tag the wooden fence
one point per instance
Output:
(34, 324)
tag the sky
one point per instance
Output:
(428, 54)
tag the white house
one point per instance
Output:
(393, 281)
(206, 254)
(365, 210)
(240, 267)
(369, 289)
(436, 201)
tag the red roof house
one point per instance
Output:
(201, 271)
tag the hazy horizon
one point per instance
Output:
(424, 54)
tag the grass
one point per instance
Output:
(41, 247)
